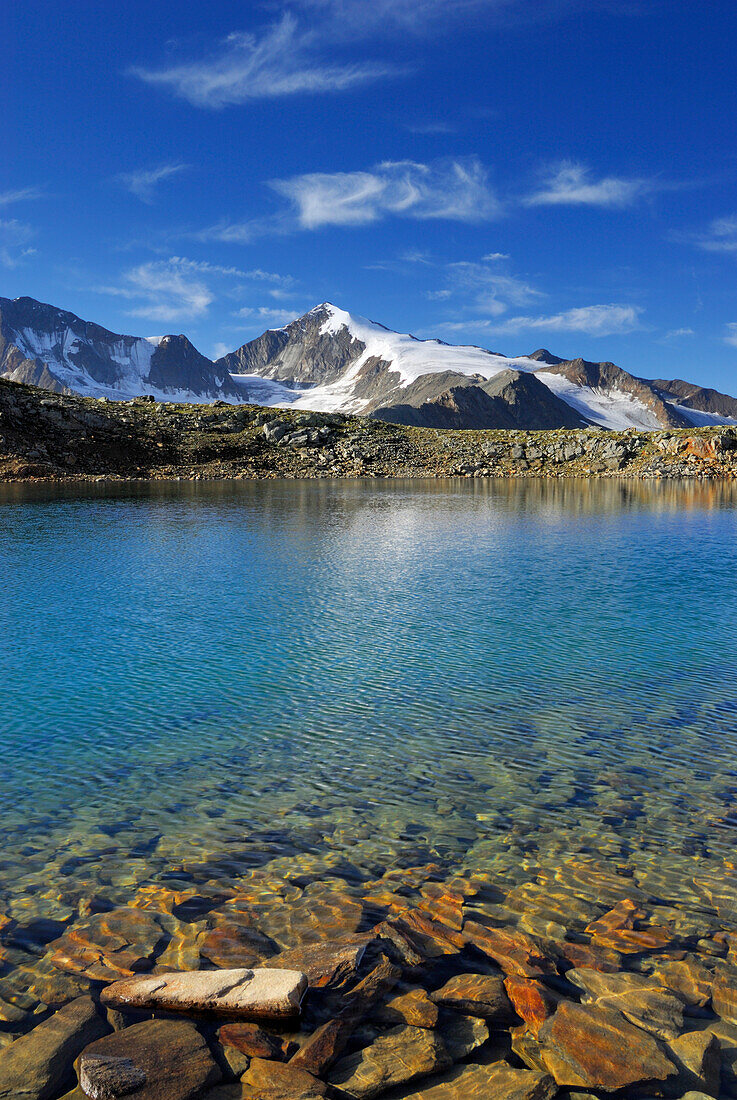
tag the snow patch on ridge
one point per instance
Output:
(613, 409)
(700, 418)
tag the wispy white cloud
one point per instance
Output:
(571, 184)
(288, 57)
(143, 182)
(677, 333)
(181, 289)
(456, 190)
(23, 194)
(492, 257)
(427, 129)
(359, 17)
(599, 320)
(731, 337)
(267, 315)
(15, 237)
(486, 287)
(721, 235)
(165, 290)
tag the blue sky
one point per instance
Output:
(511, 173)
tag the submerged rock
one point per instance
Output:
(515, 952)
(324, 964)
(109, 945)
(414, 1007)
(585, 1046)
(153, 1060)
(532, 1001)
(396, 1058)
(255, 994)
(252, 1040)
(37, 1065)
(499, 1081)
(643, 1000)
(275, 1081)
(461, 1035)
(476, 995)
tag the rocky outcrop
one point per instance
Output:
(302, 351)
(609, 378)
(56, 436)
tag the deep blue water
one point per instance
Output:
(434, 664)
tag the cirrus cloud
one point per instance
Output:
(143, 182)
(285, 59)
(571, 184)
(164, 290)
(455, 190)
(598, 320)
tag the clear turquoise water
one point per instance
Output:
(362, 675)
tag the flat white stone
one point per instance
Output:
(257, 994)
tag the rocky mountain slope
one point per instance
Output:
(49, 347)
(333, 361)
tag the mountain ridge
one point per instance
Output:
(330, 360)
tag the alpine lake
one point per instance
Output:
(484, 730)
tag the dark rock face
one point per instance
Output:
(511, 399)
(300, 352)
(52, 348)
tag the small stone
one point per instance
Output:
(323, 1047)
(252, 1040)
(325, 964)
(498, 1081)
(414, 1007)
(169, 1059)
(397, 1058)
(37, 1065)
(273, 1081)
(698, 1057)
(461, 1035)
(248, 994)
(104, 1078)
(515, 952)
(476, 995)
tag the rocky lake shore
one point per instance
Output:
(47, 436)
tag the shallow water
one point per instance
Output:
(201, 680)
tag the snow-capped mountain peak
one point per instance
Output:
(331, 359)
